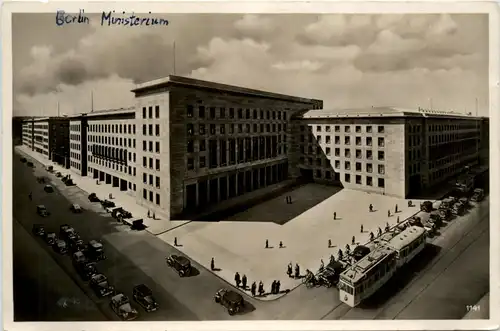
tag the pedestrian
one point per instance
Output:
(281, 244)
(267, 243)
(396, 209)
(361, 228)
(289, 270)
(253, 288)
(329, 243)
(371, 236)
(410, 203)
(370, 207)
(237, 279)
(379, 231)
(261, 288)
(334, 215)
(347, 248)
(290, 199)
(286, 199)
(340, 254)
(154, 215)
(297, 270)
(353, 241)
(212, 264)
(149, 214)
(278, 285)
(397, 220)
(244, 282)
(321, 266)
(273, 287)
(388, 213)
(175, 241)
(332, 258)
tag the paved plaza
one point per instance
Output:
(238, 244)
(120, 198)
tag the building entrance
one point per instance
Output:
(307, 174)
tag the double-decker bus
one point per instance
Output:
(369, 274)
(365, 277)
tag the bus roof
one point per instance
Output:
(406, 237)
(356, 271)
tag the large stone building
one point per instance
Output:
(386, 150)
(188, 145)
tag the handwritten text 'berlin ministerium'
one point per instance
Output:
(109, 18)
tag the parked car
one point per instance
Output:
(86, 269)
(95, 251)
(477, 195)
(436, 217)
(122, 307)
(67, 233)
(99, 283)
(331, 274)
(78, 257)
(60, 246)
(23, 160)
(75, 208)
(111, 210)
(76, 244)
(457, 209)
(231, 300)
(42, 211)
(180, 263)
(50, 168)
(69, 182)
(48, 189)
(58, 174)
(426, 206)
(30, 164)
(93, 198)
(360, 252)
(38, 230)
(445, 214)
(144, 297)
(108, 204)
(50, 238)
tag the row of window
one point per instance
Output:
(451, 137)
(74, 127)
(347, 165)
(149, 114)
(147, 146)
(75, 137)
(451, 127)
(347, 152)
(147, 193)
(232, 113)
(75, 165)
(145, 177)
(75, 146)
(221, 129)
(347, 140)
(145, 131)
(113, 165)
(117, 141)
(112, 128)
(145, 163)
(75, 156)
(347, 128)
(368, 180)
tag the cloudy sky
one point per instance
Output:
(346, 60)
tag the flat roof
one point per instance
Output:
(382, 112)
(406, 237)
(105, 112)
(202, 84)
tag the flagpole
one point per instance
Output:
(174, 56)
(91, 101)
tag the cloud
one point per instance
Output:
(254, 26)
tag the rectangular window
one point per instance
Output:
(347, 165)
(358, 179)
(347, 178)
(369, 129)
(202, 129)
(157, 199)
(222, 112)
(201, 111)
(157, 111)
(157, 164)
(157, 182)
(157, 146)
(190, 146)
(358, 128)
(381, 129)
(203, 145)
(145, 178)
(381, 182)
(203, 162)
(190, 111)
(157, 129)
(381, 142)
(144, 193)
(212, 112)
(190, 163)
(381, 155)
(328, 151)
(144, 112)
(381, 169)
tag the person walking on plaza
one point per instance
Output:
(237, 279)
(290, 199)
(397, 220)
(149, 213)
(361, 228)
(297, 271)
(379, 232)
(273, 287)
(244, 282)
(410, 203)
(267, 243)
(289, 270)
(253, 288)
(278, 285)
(332, 258)
(281, 244)
(371, 236)
(396, 209)
(261, 288)
(329, 243)
(388, 213)
(154, 215)
(321, 266)
(387, 227)
(212, 264)
(340, 254)
(353, 241)
(175, 241)
(370, 207)
(334, 215)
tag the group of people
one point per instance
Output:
(241, 282)
(149, 214)
(289, 270)
(267, 244)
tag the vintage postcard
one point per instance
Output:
(244, 166)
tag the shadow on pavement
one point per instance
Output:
(402, 278)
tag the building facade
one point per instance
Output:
(200, 143)
(28, 133)
(41, 136)
(386, 150)
(59, 141)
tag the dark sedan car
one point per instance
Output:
(144, 297)
(93, 198)
(50, 238)
(99, 283)
(38, 230)
(181, 264)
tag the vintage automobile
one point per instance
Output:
(48, 188)
(50, 168)
(93, 198)
(76, 244)
(446, 203)
(23, 160)
(99, 283)
(67, 232)
(69, 182)
(50, 238)
(436, 217)
(38, 230)
(465, 202)
(108, 204)
(426, 206)
(180, 263)
(75, 208)
(78, 257)
(112, 209)
(330, 275)
(60, 246)
(477, 195)
(30, 164)
(86, 269)
(445, 214)
(457, 209)
(95, 251)
(42, 211)
(122, 307)
(119, 212)
(360, 252)
(231, 300)
(144, 297)
(58, 174)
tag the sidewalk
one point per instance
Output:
(120, 198)
(238, 244)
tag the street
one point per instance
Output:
(460, 252)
